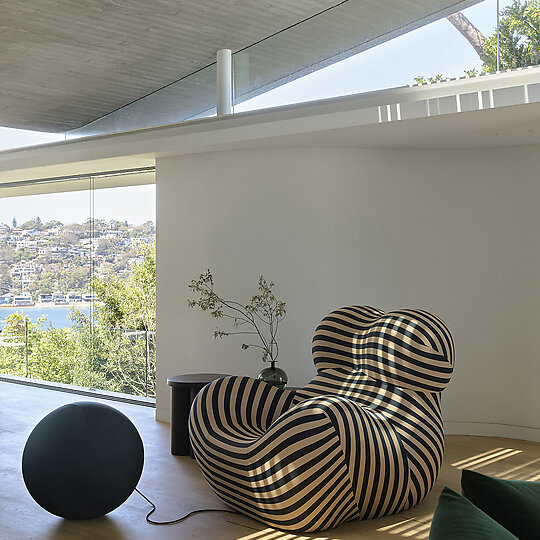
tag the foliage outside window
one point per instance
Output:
(111, 349)
(519, 39)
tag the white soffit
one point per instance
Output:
(66, 64)
(77, 176)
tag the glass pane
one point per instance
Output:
(435, 49)
(190, 98)
(62, 280)
(123, 322)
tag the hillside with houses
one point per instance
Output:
(53, 262)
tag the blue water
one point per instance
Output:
(57, 315)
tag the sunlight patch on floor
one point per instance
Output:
(486, 458)
(408, 528)
(517, 472)
(272, 534)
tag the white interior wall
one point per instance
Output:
(454, 232)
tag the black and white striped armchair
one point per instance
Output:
(363, 439)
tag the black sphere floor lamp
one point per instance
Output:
(83, 460)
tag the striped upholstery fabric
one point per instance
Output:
(363, 439)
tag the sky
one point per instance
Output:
(74, 207)
(435, 48)
(432, 49)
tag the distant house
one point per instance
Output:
(6, 299)
(45, 298)
(112, 234)
(26, 272)
(73, 297)
(23, 300)
(59, 299)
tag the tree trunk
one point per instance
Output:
(469, 32)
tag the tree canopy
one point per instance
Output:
(519, 39)
(130, 303)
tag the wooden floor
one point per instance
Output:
(177, 486)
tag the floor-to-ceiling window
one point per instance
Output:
(77, 287)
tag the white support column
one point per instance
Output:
(224, 82)
(525, 94)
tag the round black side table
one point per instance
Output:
(184, 388)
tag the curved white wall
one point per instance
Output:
(454, 232)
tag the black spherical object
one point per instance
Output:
(82, 460)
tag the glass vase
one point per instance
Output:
(273, 375)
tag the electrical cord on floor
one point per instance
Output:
(172, 522)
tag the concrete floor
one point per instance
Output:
(177, 487)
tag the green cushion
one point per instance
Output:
(515, 504)
(456, 518)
